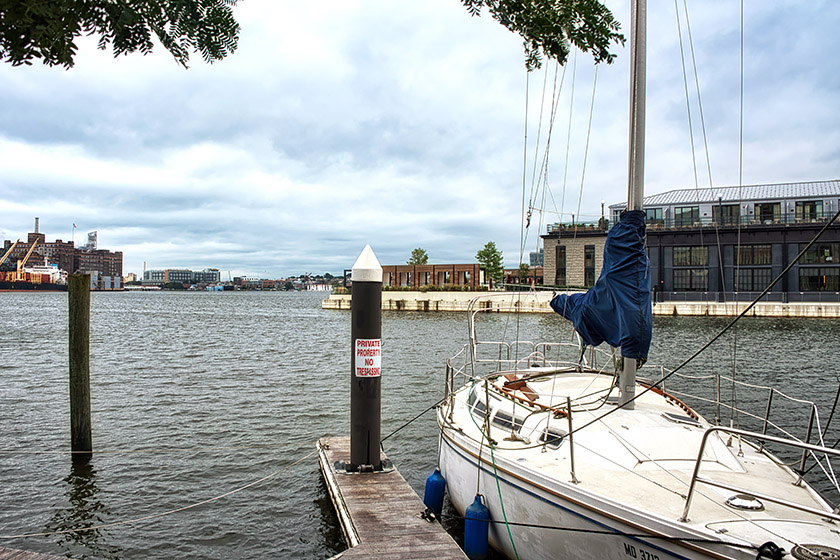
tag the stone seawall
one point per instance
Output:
(528, 302)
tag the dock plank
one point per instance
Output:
(380, 513)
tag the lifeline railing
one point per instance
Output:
(761, 496)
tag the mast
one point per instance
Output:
(636, 171)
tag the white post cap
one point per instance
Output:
(367, 267)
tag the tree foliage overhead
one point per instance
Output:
(550, 26)
(48, 29)
(418, 256)
(490, 258)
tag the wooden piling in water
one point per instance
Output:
(81, 443)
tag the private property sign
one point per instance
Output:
(368, 359)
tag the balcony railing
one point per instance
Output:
(730, 221)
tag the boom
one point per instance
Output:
(9, 252)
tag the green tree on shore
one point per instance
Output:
(550, 27)
(48, 29)
(419, 256)
(490, 258)
(523, 272)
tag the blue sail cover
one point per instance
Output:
(617, 309)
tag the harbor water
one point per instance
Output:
(217, 399)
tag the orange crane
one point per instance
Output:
(22, 262)
(9, 252)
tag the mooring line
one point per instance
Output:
(164, 513)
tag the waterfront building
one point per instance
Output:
(87, 259)
(181, 276)
(535, 258)
(718, 244)
(206, 276)
(154, 277)
(412, 276)
(534, 277)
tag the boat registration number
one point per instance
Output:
(638, 552)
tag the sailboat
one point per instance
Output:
(576, 456)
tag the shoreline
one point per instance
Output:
(537, 302)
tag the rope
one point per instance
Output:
(412, 420)
(501, 501)
(165, 513)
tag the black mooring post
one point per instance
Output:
(81, 444)
(366, 363)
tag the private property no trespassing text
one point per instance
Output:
(368, 360)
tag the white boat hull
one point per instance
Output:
(578, 530)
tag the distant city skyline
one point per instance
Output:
(336, 125)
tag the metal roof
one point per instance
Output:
(778, 191)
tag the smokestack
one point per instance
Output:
(36, 225)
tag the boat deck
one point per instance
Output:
(380, 512)
(644, 460)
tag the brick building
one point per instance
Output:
(419, 276)
(64, 255)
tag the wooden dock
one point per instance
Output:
(12, 554)
(380, 514)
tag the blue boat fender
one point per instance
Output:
(433, 497)
(476, 529)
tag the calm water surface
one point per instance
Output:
(198, 394)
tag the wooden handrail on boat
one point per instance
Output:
(695, 478)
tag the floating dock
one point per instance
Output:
(12, 554)
(380, 514)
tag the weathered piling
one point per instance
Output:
(366, 367)
(81, 443)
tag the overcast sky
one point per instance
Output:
(395, 123)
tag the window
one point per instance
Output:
(653, 216)
(686, 215)
(752, 279)
(589, 265)
(810, 210)
(754, 254)
(560, 265)
(691, 256)
(690, 269)
(552, 438)
(821, 253)
(768, 212)
(691, 279)
(726, 214)
(819, 279)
